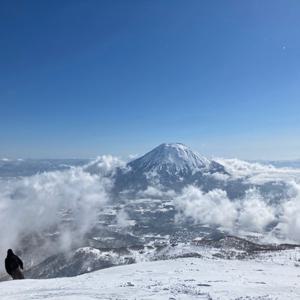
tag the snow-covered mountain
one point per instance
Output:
(169, 166)
(174, 158)
(174, 166)
(184, 278)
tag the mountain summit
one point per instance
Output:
(170, 166)
(173, 158)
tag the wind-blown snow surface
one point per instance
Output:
(186, 278)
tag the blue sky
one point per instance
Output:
(82, 78)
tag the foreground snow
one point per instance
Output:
(185, 278)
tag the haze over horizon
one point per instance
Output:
(85, 78)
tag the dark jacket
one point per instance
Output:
(12, 262)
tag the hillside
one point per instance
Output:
(186, 278)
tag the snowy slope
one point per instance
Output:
(187, 278)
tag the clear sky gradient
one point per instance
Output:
(82, 78)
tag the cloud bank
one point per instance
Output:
(62, 204)
(252, 213)
(258, 173)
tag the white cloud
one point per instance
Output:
(36, 204)
(289, 220)
(257, 173)
(105, 165)
(255, 214)
(212, 208)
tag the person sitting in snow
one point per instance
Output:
(13, 264)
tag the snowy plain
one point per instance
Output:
(267, 277)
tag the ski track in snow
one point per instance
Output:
(185, 278)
